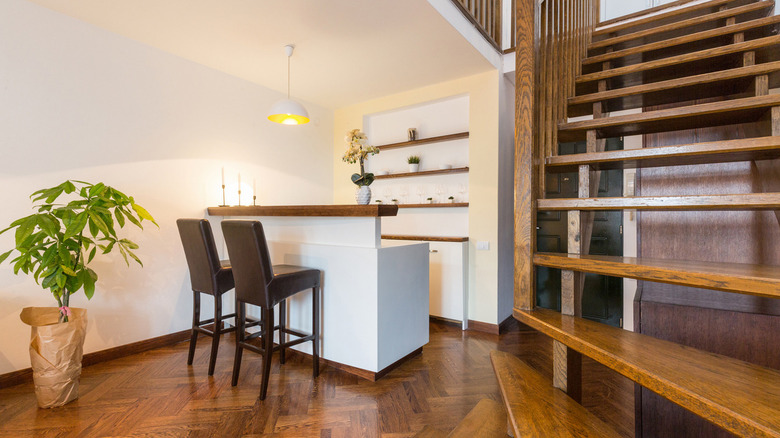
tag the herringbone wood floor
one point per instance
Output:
(157, 394)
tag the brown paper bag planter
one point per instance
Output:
(55, 353)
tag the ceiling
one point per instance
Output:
(347, 51)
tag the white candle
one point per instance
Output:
(223, 177)
(254, 186)
(239, 182)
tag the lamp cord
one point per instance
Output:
(288, 77)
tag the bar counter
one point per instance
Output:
(374, 299)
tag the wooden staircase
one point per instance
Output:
(682, 66)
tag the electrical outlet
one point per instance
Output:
(483, 245)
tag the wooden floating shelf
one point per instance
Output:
(442, 205)
(423, 173)
(422, 141)
(760, 280)
(426, 238)
(738, 396)
(750, 201)
(682, 155)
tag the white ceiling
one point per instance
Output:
(347, 51)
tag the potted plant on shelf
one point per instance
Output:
(414, 163)
(358, 151)
(429, 200)
(54, 246)
(451, 199)
(394, 201)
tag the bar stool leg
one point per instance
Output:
(315, 293)
(195, 323)
(268, 349)
(240, 332)
(217, 331)
(282, 328)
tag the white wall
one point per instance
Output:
(79, 102)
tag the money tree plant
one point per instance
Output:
(56, 244)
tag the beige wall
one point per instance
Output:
(483, 91)
(80, 102)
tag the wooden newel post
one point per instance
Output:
(526, 144)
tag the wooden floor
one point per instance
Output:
(157, 394)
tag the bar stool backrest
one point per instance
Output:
(251, 261)
(201, 254)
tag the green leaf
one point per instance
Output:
(132, 219)
(92, 254)
(130, 253)
(97, 189)
(48, 224)
(120, 218)
(26, 229)
(89, 283)
(5, 256)
(93, 228)
(76, 225)
(68, 271)
(129, 244)
(94, 217)
(68, 187)
(144, 214)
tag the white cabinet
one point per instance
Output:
(448, 279)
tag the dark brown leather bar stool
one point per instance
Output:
(208, 275)
(260, 284)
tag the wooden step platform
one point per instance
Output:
(536, 408)
(719, 83)
(747, 201)
(720, 113)
(766, 24)
(687, 64)
(750, 149)
(430, 432)
(759, 280)
(738, 396)
(750, 11)
(644, 19)
(487, 419)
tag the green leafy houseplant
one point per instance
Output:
(413, 159)
(56, 243)
(358, 150)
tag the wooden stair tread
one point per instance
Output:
(650, 20)
(681, 155)
(760, 280)
(430, 432)
(538, 409)
(486, 420)
(761, 44)
(685, 39)
(738, 396)
(746, 201)
(725, 112)
(682, 24)
(719, 83)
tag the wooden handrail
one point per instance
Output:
(486, 16)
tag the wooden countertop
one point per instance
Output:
(307, 210)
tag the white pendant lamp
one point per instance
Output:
(288, 111)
